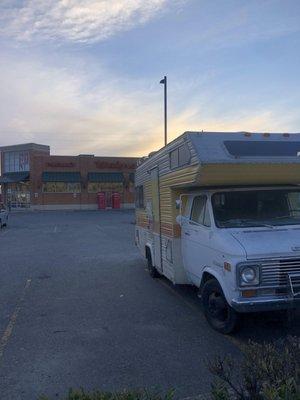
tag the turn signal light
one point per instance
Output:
(249, 293)
(227, 266)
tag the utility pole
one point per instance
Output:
(164, 82)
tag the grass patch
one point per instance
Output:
(123, 395)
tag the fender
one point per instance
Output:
(220, 278)
(149, 245)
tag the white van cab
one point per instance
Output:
(221, 211)
(248, 239)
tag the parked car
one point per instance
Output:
(3, 216)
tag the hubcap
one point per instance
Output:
(217, 306)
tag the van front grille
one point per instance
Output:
(274, 273)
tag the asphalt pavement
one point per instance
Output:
(78, 309)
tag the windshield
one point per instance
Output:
(256, 208)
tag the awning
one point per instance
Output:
(105, 177)
(61, 176)
(14, 177)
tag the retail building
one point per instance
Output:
(32, 178)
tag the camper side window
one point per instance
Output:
(179, 157)
(174, 159)
(139, 196)
(200, 213)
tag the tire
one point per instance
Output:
(218, 312)
(152, 270)
(1, 226)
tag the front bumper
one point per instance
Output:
(266, 304)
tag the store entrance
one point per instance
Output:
(17, 196)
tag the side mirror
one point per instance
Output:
(178, 204)
(179, 219)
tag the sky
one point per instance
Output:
(83, 75)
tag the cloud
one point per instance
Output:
(238, 23)
(84, 21)
(73, 114)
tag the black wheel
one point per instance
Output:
(218, 312)
(1, 226)
(152, 270)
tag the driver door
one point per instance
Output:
(196, 237)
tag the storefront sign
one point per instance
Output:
(114, 165)
(60, 164)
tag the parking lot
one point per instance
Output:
(78, 309)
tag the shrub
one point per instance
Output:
(265, 372)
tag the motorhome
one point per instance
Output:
(221, 211)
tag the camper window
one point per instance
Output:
(183, 155)
(139, 196)
(272, 148)
(174, 159)
(179, 157)
(200, 213)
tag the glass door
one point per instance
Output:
(17, 196)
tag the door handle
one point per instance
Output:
(187, 234)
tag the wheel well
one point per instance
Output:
(205, 277)
(148, 252)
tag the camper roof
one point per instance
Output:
(237, 147)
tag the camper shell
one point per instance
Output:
(201, 164)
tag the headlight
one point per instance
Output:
(249, 275)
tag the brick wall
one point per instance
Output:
(83, 164)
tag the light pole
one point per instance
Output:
(164, 82)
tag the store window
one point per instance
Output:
(16, 161)
(61, 187)
(105, 182)
(96, 187)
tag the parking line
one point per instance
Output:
(12, 321)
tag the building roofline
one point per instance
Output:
(90, 156)
(25, 146)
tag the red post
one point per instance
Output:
(116, 200)
(101, 199)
